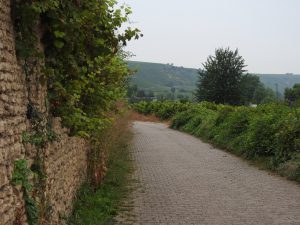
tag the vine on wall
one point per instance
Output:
(21, 177)
(84, 68)
(83, 44)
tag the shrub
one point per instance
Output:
(163, 110)
(270, 132)
(231, 126)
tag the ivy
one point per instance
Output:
(84, 69)
(84, 60)
(20, 177)
(38, 139)
(21, 174)
(31, 210)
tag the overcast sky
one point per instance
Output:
(185, 32)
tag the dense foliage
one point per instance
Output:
(21, 177)
(270, 132)
(292, 95)
(100, 206)
(74, 48)
(222, 81)
(219, 80)
(85, 71)
(163, 110)
(252, 90)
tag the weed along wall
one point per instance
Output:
(41, 167)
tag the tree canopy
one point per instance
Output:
(252, 90)
(292, 95)
(219, 80)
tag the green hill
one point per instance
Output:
(160, 78)
(283, 80)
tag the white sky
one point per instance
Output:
(266, 32)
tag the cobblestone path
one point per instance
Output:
(185, 181)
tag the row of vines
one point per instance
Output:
(269, 134)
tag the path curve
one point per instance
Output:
(185, 181)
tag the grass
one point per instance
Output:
(101, 206)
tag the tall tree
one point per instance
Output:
(292, 95)
(141, 93)
(254, 91)
(219, 81)
(132, 90)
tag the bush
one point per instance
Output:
(231, 126)
(270, 132)
(163, 110)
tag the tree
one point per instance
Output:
(248, 86)
(173, 89)
(132, 90)
(254, 91)
(219, 81)
(292, 95)
(263, 94)
(151, 94)
(141, 94)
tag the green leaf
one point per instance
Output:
(58, 44)
(59, 34)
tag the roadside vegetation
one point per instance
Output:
(292, 95)
(82, 65)
(268, 134)
(74, 49)
(99, 206)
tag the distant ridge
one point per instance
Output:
(159, 78)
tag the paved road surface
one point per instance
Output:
(185, 181)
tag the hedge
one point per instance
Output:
(268, 133)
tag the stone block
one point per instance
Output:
(3, 176)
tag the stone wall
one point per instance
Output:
(13, 98)
(65, 168)
(65, 160)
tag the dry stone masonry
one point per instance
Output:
(12, 119)
(65, 159)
